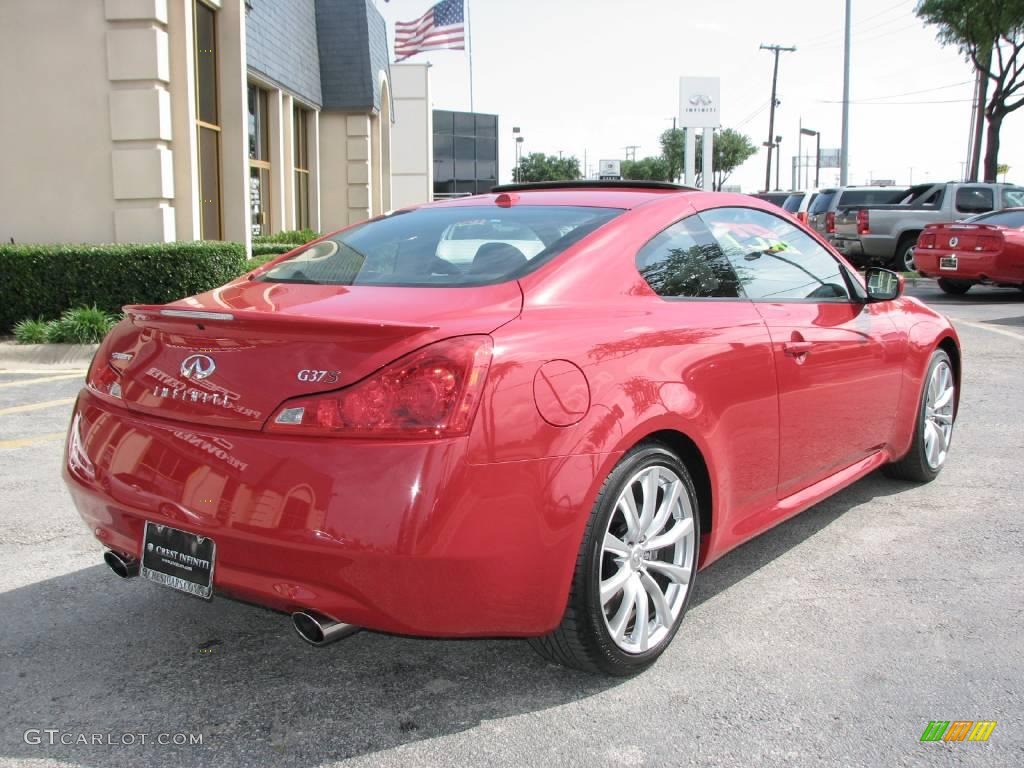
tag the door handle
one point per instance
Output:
(797, 348)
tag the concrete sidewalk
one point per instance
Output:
(55, 356)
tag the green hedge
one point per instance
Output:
(271, 249)
(291, 237)
(45, 280)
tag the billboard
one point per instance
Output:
(829, 158)
(609, 170)
(700, 102)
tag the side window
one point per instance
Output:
(773, 259)
(975, 199)
(1013, 197)
(684, 261)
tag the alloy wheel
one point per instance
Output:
(940, 398)
(909, 265)
(647, 559)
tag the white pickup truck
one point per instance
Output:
(886, 234)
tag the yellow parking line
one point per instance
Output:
(43, 380)
(27, 441)
(36, 406)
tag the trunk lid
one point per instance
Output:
(230, 357)
(962, 238)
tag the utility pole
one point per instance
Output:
(631, 151)
(776, 49)
(844, 152)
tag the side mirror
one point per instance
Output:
(883, 284)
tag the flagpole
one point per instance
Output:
(469, 35)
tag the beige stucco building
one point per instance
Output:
(159, 120)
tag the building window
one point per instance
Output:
(259, 161)
(301, 133)
(207, 121)
(465, 153)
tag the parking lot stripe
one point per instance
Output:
(36, 406)
(39, 371)
(27, 441)
(43, 380)
(986, 327)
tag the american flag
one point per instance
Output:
(442, 27)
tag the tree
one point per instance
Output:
(537, 166)
(990, 34)
(1003, 170)
(672, 142)
(648, 169)
(732, 149)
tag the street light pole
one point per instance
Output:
(844, 153)
(817, 153)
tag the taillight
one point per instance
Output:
(926, 240)
(830, 222)
(988, 242)
(802, 217)
(103, 380)
(863, 222)
(433, 392)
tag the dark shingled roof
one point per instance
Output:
(353, 51)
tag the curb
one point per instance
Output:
(75, 356)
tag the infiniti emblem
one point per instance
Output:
(954, 242)
(198, 367)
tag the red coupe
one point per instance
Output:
(986, 249)
(531, 413)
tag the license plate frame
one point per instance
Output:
(178, 559)
(948, 262)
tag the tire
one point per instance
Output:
(585, 639)
(903, 260)
(953, 287)
(922, 464)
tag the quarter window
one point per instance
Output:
(684, 261)
(774, 260)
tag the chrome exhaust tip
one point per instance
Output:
(320, 630)
(125, 567)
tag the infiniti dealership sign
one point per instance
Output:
(700, 102)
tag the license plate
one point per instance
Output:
(178, 559)
(947, 262)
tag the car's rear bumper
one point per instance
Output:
(866, 249)
(999, 268)
(401, 537)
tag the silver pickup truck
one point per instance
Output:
(887, 234)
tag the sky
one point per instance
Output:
(591, 77)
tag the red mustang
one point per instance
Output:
(531, 413)
(986, 249)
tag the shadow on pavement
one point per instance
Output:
(88, 653)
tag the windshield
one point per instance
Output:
(792, 203)
(449, 246)
(1009, 219)
(1013, 197)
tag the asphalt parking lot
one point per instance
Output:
(832, 640)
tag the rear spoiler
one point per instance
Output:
(233, 321)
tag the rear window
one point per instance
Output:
(792, 203)
(822, 201)
(450, 246)
(1011, 219)
(872, 196)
